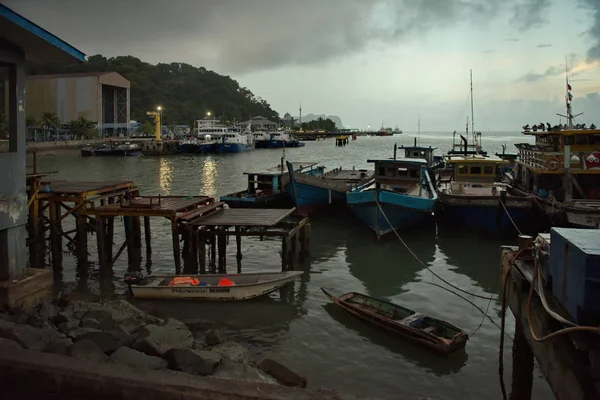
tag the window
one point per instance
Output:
(381, 171)
(414, 173)
(475, 170)
(402, 172)
(462, 169)
(488, 170)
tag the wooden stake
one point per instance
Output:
(105, 269)
(238, 244)
(201, 251)
(55, 235)
(176, 252)
(148, 236)
(222, 245)
(284, 253)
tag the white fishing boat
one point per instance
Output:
(224, 287)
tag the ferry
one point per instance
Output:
(562, 170)
(401, 195)
(260, 139)
(281, 139)
(267, 188)
(235, 142)
(312, 193)
(196, 146)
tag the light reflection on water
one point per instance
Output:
(297, 325)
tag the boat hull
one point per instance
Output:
(278, 144)
(309, 199)
(401, 211)
(234, 147)
(214, 293)
(277, 200)
(87, 152)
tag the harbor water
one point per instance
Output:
(297, 325)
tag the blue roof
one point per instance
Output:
(37, 43)
(418, 161)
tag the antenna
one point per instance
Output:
(418, 126)
(472, 119)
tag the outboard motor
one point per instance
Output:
(133, 278)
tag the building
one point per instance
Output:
(258, 123)
(207, 122)
(101, 97)
(21, 42)
(289, 121)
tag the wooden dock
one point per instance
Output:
(569, 361)
(200, 222)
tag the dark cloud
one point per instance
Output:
(238, 36)
(594, 32)
(533, 77)
(541, 46)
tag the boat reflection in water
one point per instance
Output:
(412, 353)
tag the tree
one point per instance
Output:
(82, 128)
(31, 121)
(146, 129)
(50, 121)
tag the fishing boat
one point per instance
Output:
(400, 195)
(562, 172)
(196, 146)
(113, 149)
(384, 132)
(311, 193)
(440, 336)
(236, 142)
(224, 287)
(267, 188)
(511, 158)
(279, 139)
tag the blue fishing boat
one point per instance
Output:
(278, 140)
(235, 142)
(311, 193)
(267, 188)
(196, 146)
(400, 195)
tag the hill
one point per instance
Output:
(185, 92)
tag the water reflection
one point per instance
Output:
(209, 176)
(165, 174)
(411, 352)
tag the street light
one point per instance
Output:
(208, 113)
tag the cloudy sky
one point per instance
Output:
(367, 61)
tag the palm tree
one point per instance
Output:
(81, 128)
(49, 121)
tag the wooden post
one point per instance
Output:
(81, 239)
(176, 252)
(185, 252)
(307, 239)
(222, 247)
(148, 236)
(33, 225)
(284, 253)
(193, 251)
(238, 244)
(302, 237)
(55, 236)
(201, 251)
(41, 236)
(522, 373)
(213, 251)
(101, 237)
(292, 258)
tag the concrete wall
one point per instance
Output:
(69, 97)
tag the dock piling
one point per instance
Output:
(176, 251)
(202, 250)
(105, 267)
(284, 254)
(238, 243)
(55, 236)
(81, 238)
(222, 248)
(148, 236)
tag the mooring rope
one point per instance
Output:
(509, 217)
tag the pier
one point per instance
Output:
(568, 359)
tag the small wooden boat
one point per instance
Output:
(439, 336)
(225, 287)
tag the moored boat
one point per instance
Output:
(267, 188)
(113, 149)
(279, 140)
(236, 142)
(400, 195)
(440, 336)
(224, 287)
(311, 193)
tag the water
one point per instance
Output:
(298, 326)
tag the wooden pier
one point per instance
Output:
(569, 361)
(200, 222)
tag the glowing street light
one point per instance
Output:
(208, 113)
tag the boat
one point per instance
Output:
(561, 170)
(511, 158)
(260, 139)
(236, 142)
(279, 139)
(384, 132)
(113, 149)
(439, 336)
(397, 131)
(311, 193)
(196, 146)
(401, 195)
(267, 188)
(217, 287)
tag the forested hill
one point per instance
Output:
(186, 93)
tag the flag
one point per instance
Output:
(569, 86)
(570, 96)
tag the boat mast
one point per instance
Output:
(472, 119)
(570, 117)
(418, 127)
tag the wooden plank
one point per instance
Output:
(244, 217)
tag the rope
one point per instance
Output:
(509, 217)
(424, 265)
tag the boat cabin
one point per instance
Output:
(476, 168)
(563, 162)
(419, 152)
(399, 175)
(273, 180)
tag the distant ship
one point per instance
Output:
(397, 131)
(388, 131)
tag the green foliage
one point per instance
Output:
(82, 128)
(50, 121)
(186, 93)
(146, 129)
(31, 121)
(320, 124)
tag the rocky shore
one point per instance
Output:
(119, 333)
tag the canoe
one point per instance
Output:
(208, 286)
(439, 336)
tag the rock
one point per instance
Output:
(238, 371)
(58, 346)
(213, 338)
(90, 323)
(9, 344)
(125, 355)
(106, 341)
(77, 333)
(48, 311)
(37, 322)
(87, 350)
(63, 318)
(68, 326)
(282, 373)
(172, 323)
(107, 317)
(77, 309)
(232, 350)
(131, 326)
(156, 340)
(195, 362)
(27, 336)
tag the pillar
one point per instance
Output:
(55, 235)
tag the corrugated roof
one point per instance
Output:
(75, 75)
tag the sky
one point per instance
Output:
(370, 62)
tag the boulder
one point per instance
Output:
(282, 373)
(90, 323)
(48, 311)
(195, 362)
(156, 340)
(213, 338)
(125, 355)
(107, 317)
(172, 323)
(244, 372)
(68, 326)
(106, 341)
(58, 346)
(77, 333)
(27, 336)
(131, 326)
(87, 350)
(9, 344)
(232, 350)
(77, 309)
